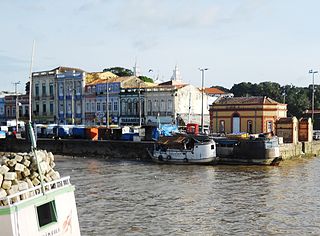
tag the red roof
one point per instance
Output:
(213, 91)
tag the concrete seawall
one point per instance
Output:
(300, 150)
(126, 150)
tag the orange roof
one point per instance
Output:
(245, 100)
(213, 91)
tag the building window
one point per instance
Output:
(37, 90)
(51, 107)
(123, 107)
(37, 107)
(249, 126)
(162, 106)
(61, 108)
(87, 106)
(98, 106)
(47, 213)
(129, 112)
(170, 105)
(44, 92)
(92, 107)
(109, 106)
(69, 108)
(156, 108)
(269, 126)
(104, 106)
(221, 126)
(78, 107)
(149, 105)
(115, 105)
(60, 89)
(51, 89)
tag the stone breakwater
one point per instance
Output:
(19, 171)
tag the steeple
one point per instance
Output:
(136, 70)
(176, 74)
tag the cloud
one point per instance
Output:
(151, 15)
(145, 44)
(8, 64)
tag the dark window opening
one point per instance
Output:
(47, 213)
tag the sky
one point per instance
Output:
(237, 40)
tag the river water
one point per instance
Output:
(136, 198)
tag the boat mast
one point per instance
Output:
(31, 130)
(30, 82)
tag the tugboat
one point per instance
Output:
(48, 208)
(184, 149)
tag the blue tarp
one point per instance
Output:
(168, 130)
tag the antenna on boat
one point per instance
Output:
(30, 81)
(30, 129)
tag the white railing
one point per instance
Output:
(35, 191)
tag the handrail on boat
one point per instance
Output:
(35, 191)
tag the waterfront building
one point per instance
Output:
(214, 94)
(132, 102)
(105, 89)
(245, 114)
(2, 111)
(175, 102)
(11, 104)
(57, 96)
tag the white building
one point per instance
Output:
(175, 102)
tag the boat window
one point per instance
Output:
(212, 146)
(47, 213)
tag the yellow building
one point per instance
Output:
(245, 114)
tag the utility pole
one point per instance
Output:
(312, 72)
(202, 89)
(17, 105)
(30, 82)
(139, 104)
(107, 103)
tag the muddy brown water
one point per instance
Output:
(136, 198)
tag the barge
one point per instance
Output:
(255, 151)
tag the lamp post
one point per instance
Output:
(312, 72)
(202, 90)
(107, 103)
(16, 105)
(139, 104)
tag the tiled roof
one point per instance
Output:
(245, 100)
(213, 91)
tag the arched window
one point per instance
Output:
(249, 126)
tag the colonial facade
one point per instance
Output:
(112, 91)
(57, 96)
(245, 114)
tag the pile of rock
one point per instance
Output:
(19, 171)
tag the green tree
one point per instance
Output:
(119, 71)
(241, 90)
(145, 79)
(297, 100)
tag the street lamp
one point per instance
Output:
(107, 103)
(139, 104)
(312, 72)
(17, 105)
(202, 89)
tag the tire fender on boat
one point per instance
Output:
(160, 158)
(185, 159)
(168, 157)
